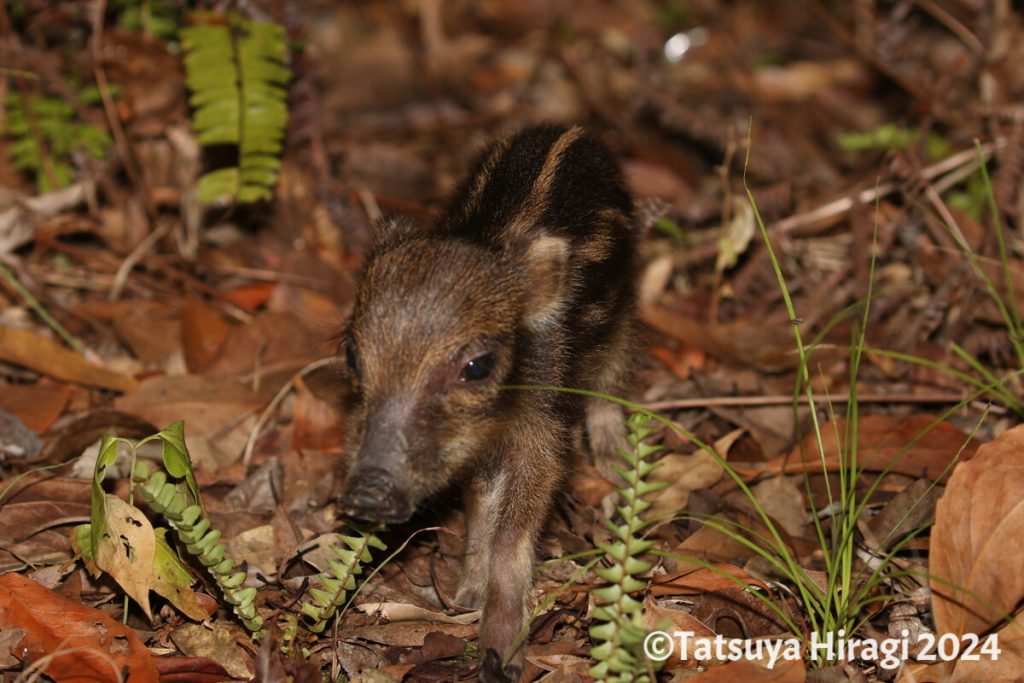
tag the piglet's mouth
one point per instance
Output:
(373, 497)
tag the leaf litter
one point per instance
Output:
(861, 121)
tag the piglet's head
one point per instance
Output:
(436, 330)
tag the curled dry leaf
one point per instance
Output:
(688, 473)
(83, 642)
(127, 550)
(976, 565)
(47, 357)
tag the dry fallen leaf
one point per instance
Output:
(203, 332)
(785, 671)
(84, 643)
(36, 405)
(975, 556)
(316, 424)
(30, 350)
(880, 438)
(127, 549)
(687, 473)
(783, 500)
(217, 642)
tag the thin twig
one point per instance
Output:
(944, 17)
(125, 269)
(787, 399)
(96, 46)
(844, 204)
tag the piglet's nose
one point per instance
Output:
(373, 496)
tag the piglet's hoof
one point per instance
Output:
(492, 671)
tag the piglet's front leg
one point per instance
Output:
(530, 474)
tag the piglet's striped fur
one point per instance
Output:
(527, 278)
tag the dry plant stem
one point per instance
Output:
(955, 162)
(96, 46)
(34, 304)
(943, 16)
(787, 399)
(957, 165)
(125, 269)
(250, 443)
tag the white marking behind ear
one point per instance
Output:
(547, 281)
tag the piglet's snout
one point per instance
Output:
(374, 496)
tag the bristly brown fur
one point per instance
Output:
(526, 279)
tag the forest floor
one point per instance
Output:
(883, 147)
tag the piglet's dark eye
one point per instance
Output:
(477, 369)
(350, 357)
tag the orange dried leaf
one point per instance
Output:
(882, 441)
(83, 643)
(203, 332)
(975, 543)
(38, 406)
(30, 350)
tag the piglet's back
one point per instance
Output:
(557, 181)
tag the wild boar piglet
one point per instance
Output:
(526, 279)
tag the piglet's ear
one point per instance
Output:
(387, 232)
(546, 282)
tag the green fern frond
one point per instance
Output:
(44, 133)
(169, 499)
(619, 617)
(351, 555)
(236, 71)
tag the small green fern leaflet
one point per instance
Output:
(43, 133)
(193, 528)
(344, 570)
(619, 656)
(236, 71)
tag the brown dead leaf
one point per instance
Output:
(37, 405)
(740, 342)
(410, 634)
(975, 542)
(217, 642)
(270, 340)
(30, 350)
(214, 408)
(203, 332)
(31, 531)
(150, 328)
(250, 297)
(83, 642)
(316, 424)
(127, 550)
(785, 671)
(880, 438)
(703, 580)
(588, 485)
(711, 545)
(687, 473)
(1008, 666)
(782, 499)
(661, 618)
